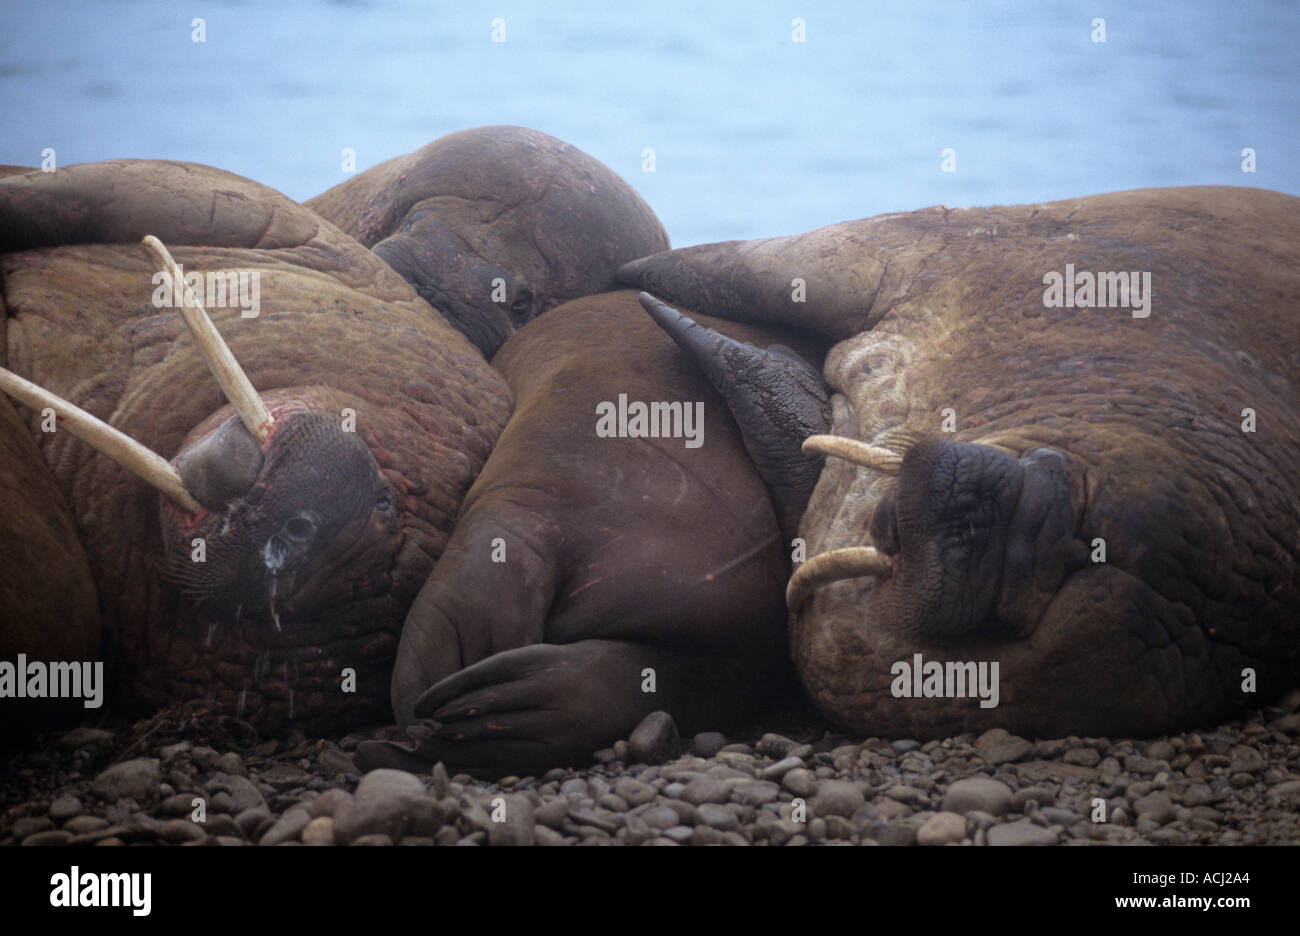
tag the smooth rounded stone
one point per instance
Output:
(173, 751)
(182, 830)
(374, 814)
(604, 756)
(288, 827)
(243, 792)
(1283, 790)
(1023, 832)
(1058, 816)
(219, 824)
(1157, 807)
(388, 782)
(589, 818)
(890, 809)
(655, 739)
(49, 837)
(622, 751)
(680, 834)
(222, 802)
(780, 768)
(757, 792)
(180, 804)
(979, 792)
(574, 786)
(718, 817)
(64, 808)
(329, 802)
(612, 802)
(915, 762)
(553, 813)
(204, 756)
(333, 762)
(81, 825)
(708, 743)
(942, 828)
(518, 825)
(905, 745)
(890, 833)
(706, 790)
(135, 779)
(836, 798)
(83, 737)
(660, 817)
(800, 781)
(1082, 756)
(320, 831)
(997, 746)
(544, 836)
(902, 793)
(1038, 794)
(250, 819)
(1160, 750)
(230, 763)
(380, 839)
(1246, 759)
(633, 792)
(31, 825)
(775, 746)
(674, 789)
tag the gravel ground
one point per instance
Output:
(123, 783)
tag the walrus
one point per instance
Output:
(496, 225)
(274, 574)
(593, 578)
(1065, 442)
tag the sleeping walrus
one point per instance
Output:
(1064, 496)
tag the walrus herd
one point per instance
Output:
(1031, 467)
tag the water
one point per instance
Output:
(753, 134)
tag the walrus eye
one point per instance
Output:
(299, 530)
(385, 501)
(521, 307)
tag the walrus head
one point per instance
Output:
(283, 531)
(494, 226)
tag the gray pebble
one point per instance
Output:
(49, 837)
(1023, 832)
(182, 830)
(378, 838)
(708, 743)
(1156, 807)
(135, 779)
(836, 798)
(65, 807)
(518, 827)
(978, 792)
(800, 782)
(634, 792)
(659, 817)
(942, 828)
(655, 740)
(996, 746)
(81, 825)
(287, 827)
(780, 768)
(706, 790)
(388, 782)
(718, 817)
(904, 745)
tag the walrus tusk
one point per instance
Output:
(850, 562)
(117, 445)
(859, 453)
(221, 361)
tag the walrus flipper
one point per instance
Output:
(777, 398)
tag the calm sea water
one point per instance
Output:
(753, 133)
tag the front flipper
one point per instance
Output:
(548, 705)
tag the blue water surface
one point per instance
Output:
(752, 132)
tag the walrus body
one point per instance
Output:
(594, 579)
(351, 362)
(494, 226)
(1102, 499)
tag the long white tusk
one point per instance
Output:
(850, 562)
(117, 445)
(859, 453)
(234, 382)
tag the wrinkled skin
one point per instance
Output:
(619, 554)
(503, 204)
(333, 532)
(1072, 425)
